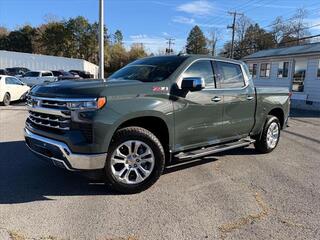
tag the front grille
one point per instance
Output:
(52, 115)
(49, 114)
(50, 121)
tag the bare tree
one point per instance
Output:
(214, 37)
(242, 25)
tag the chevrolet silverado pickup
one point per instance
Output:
(152, 114)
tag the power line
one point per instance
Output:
(170, 42)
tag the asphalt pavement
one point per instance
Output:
(238, 194)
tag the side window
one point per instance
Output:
(201, 68)
(10, 81)
(46, 74)
(16, 81)
(231, 75)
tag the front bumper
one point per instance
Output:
(60, 154)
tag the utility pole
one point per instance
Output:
(101, 39)
(170, 42)
(233, 27)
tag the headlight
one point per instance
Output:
(87, 104)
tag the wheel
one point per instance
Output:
(135, 160)
(270, 135)
(6, 99)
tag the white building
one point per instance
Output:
(297, 68)
(43, 62)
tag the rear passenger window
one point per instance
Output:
(203, 69)
(231, 75)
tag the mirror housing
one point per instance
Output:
(193, 84)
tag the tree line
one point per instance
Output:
(250, 37)
(78, 38)
(72, 38)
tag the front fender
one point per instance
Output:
(119, 111)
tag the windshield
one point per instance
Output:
(150, 69)
(32, 74)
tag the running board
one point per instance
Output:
(211, 150)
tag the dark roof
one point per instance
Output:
(275, 52)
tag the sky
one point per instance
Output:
(151, 22)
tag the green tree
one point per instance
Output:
(55, 40)
(21, 40)
(196, 42)
(118, 37)
(118, 57)
(137, 51)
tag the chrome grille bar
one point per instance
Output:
(39, 122)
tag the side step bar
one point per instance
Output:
(211, 150)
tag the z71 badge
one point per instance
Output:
(160, 89)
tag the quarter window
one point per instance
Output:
(253, 67)
(265, 70)
(283, 69)
(203, 69)
(231, 75)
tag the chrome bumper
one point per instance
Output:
(70, 161)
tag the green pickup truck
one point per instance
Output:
(153, 113)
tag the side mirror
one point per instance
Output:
(193, 84)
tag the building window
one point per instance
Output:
(253, 67)
(300, 70)
(283, 70)
(265, 70)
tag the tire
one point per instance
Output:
(133, 171)
(267, 143)
(6, 99)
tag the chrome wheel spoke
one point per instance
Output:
(143, 170)
(115, 161)
(273, 135)
(130, 167)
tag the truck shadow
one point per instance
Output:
(25, 178)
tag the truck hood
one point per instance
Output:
(80, 88)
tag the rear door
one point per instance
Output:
(198, 115)
(239, 100)
(12, 88)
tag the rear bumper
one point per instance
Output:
(60, 154)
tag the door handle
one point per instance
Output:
(250, 98)
(216, 99)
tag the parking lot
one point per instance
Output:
(234, 195)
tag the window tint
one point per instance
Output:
(203, 69)
(32, 74)
(46, 74)
(265, 70)
(13, 81)
(152, 69)
(231, 75)
(283, 69)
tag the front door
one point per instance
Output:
(239, 100)
(198, 115)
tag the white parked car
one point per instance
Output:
(38, 77)
(12, 89)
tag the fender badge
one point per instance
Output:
(160, 89)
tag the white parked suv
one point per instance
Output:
(12, 89)
(38, 77)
